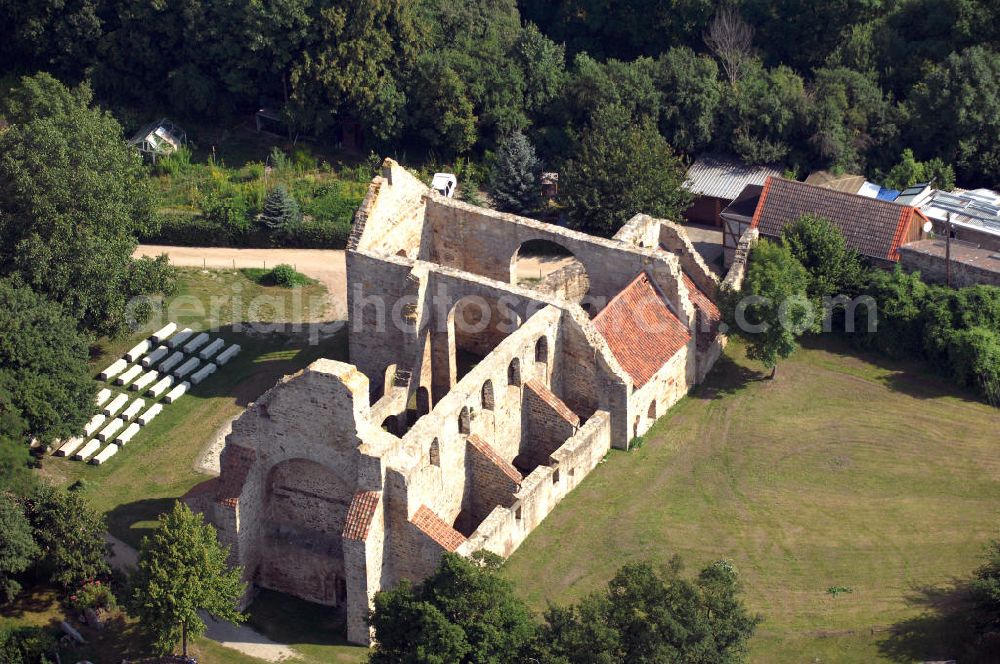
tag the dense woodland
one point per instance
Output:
(847, 84)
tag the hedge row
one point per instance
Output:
(197, 231)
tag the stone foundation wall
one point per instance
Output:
(934, 269)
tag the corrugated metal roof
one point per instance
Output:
(971, 209)
(724, 177)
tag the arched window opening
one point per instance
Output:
(435, 453)
(514, 372)
(487, 395)
(464, 425)
(423, 401)
(651, 413)
(542, 350)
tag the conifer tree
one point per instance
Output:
(514, 180)
(280, 209)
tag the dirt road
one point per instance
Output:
(325, 265)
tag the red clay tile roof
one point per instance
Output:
(554, 402)
(872, 227)
(359, 515)
(434, 527)
(641, 330)
(235, 466)
(709, 315)
(487, 451)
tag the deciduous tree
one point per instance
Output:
(183, 571)
(819, 246)
(70, 534)
(621, 169)
(464, 612)
(17, 546)
(44, 377)
(73, 198)
(772, 308)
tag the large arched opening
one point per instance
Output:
(550, 267)
(305, 508)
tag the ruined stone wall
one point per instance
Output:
(934, 269)
(390, 219)
(663, 390)
(484, 242)
(506, 527)
(569, 283)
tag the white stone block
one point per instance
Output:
(144, 381)
(70, 446)
(187, 367)
(102, 396)
(154, 357)
(128, 433)
(164, 332)
(211, 349)
(227, 354)
(94, 424)
(84, 452)
(176, 393)
(171, 362)
(115, 405)
(128, 376)
(180, 337)
(105, 454)
(203, 373)
(133, 409)
(138, 350)
(161, 386)
(196, 343)
(148, 416)
(113, 369)
(110, 430)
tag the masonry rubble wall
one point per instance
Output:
(317, 500)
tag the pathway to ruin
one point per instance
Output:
(327, 266)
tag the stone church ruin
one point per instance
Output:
(474, 400)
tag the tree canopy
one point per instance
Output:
(44, 377)
(463, 612)
(182, 571)
(772, 308)
(621, 169)
(73, 196)
(514, 182)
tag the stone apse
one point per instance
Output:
(474, 400)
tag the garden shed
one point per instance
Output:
(158, 139)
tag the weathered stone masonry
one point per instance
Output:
(472, 405)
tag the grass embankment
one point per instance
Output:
(842, 472)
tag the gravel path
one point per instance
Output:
(328, 266)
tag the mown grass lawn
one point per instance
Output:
(157, 466)
(842, 472)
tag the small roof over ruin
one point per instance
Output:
(641, 330)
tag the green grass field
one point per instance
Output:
(845, 471)
(842, 472)
(157, 466)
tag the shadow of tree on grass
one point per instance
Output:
(946, 629)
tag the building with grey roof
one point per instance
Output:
(716, 181)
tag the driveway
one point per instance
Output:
(327, 266)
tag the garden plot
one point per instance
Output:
(158, 375)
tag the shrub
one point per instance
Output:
(231, 213)
(974, 355)
(92, 595)
(286, 276)
(173, 164)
